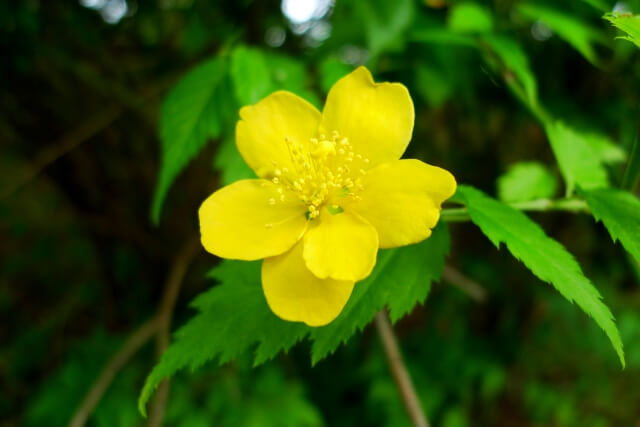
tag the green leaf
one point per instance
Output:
(527, 181)
(402, 278)
(574, 31)
(234, 317)
(604, 148)
(545, 257)
(331, 70)
(290, 74)
(385, 22)
(578, 162)
(192, 113)
(628, 23)
(632, 172)
(619, 211)
(250, 75)
(470, 18)
(443, 36)
(515, 60)
(434, 84)
(230, 163)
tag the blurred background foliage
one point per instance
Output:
(82, 265)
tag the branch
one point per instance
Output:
(399, 370)
(159, 324)
(171, 291)
(131, 346)
(469, 286)
(541, 205)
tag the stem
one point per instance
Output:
(541, 205)
(137, 339)
(399, 370)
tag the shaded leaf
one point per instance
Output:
(234, 317)
(574, 31)
(619, 211)
(385, 22)
(545, 257)
(526, 181)
(578, 162)
(230, 163)
(192, 113)
(515, 60)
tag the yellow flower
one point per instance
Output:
(331, 192)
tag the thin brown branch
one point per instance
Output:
(131, 346)
(171, 291)
(399, 370)
(469, 286)
(159, 325)
(50, 154)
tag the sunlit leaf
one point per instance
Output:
(250, 75)
(191, 114)
(527, 181)
(470, 18)
(628, 23)
(604, 148)
(619, 211)
(545, 257)
(331, 70)
(234, 318)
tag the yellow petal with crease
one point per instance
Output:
(295, 294)
(403, 199)
(341, 246)
(263, 127)
(376, 118)
(246, 220)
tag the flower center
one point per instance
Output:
(325, 171)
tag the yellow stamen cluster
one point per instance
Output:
(324, 169)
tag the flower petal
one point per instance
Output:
(376, 118)
(295, 294)
(402, 200)
(263, 127)
(246, 220)
(341, 246)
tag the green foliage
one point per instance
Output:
(470, 18)
(632, 173)
(578, 162)
(514, 59)
(331, 70)
(527, 181)
(250, 75)
(545, 257)
(604, 148)
(385, 23)
(234, 317)
(619, 211)
(628, 23)
(191, 114)
(573, 30)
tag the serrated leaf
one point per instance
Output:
(573, 30)
(234, 317)
(192, 113)
(545, 257)
(250, 75)
(402, 277)
(578, 162)
(470, 18)
(628, 23)
(515, 60)
(526, 181)
(619, 211)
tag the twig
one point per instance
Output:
(65, 144)
(137, 339)
(540, 205)
(159, 324)
(171, 291)
(470, 287)
(399, 371)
